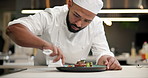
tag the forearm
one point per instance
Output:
(23, 37)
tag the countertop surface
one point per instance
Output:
(31, 71)
(46, 72)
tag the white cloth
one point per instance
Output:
(93, 6)
(51, 25)
(49, 59)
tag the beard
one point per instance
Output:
(69, 25)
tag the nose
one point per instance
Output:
(79, 23)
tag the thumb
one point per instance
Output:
(53, 54)
(106, 63)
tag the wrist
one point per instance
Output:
(45, 46)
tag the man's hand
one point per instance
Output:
(56, 52)
(111, 62)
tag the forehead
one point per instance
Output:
(83, 12)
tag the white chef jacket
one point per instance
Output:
(51, 25)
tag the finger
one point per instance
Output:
(55, 51)
(110, 62)
(62, 56)
(106, 62)
(58, 56)
(119, 68)
(115, 65)
(63, 59)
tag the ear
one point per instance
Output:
(70, 2)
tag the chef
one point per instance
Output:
(70, 31)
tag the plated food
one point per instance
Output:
(82, 66)
(81, 63)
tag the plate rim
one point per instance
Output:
(82, 69)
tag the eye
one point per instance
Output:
(88, 21)
(76, 15)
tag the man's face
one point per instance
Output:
(78, 18)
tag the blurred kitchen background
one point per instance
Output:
(120, 33)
